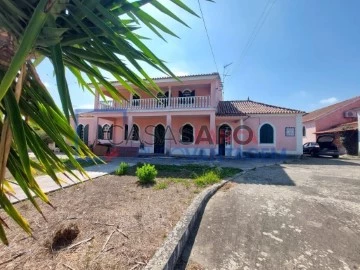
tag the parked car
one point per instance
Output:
(324, 146)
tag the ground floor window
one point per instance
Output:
(80, 131)
(266, 134)
(135, 133)
(187, 134)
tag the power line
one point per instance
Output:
(208, 37)
(259, 24)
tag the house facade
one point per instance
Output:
(189, 118)
(341, 120)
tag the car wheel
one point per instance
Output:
(336, 156)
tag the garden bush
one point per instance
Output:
(146, 174)
(208, 178)
(122, 169)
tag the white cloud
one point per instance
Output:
(330, 100)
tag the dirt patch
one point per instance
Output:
(64, 237)
(108, 223)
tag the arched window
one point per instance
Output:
(106, 130)
(187, 134)
(304, 131)
(186, 93)
(266, 134)
(80, 131)
(135, 133)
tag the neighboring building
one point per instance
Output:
(190, 118)
(340, 119)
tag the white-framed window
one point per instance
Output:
(186, 93)
(106, 132)
(267, 134)
(290, 131)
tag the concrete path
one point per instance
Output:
(300, 215)
(48, 185)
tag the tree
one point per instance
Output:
(85, 37)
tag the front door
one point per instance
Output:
(224, 138)
(159, 139)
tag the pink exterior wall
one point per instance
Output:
(208, 86)
(328, 121)
(202, 119)
(336, 117)
(279, 123)
(310, 132)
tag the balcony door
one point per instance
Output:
(159, 139)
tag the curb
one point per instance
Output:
(168, 254)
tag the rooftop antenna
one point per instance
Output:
(225, 73)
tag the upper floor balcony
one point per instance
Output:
(191, 102)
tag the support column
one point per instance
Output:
(168, 137)
(129, 122)
(213, 134)
(169, 97)
(241, 138)
(94, 137)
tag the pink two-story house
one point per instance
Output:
(190, 118)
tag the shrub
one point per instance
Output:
(122, 169)
(146, 173)
(207, 178)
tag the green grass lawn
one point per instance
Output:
(200, 175)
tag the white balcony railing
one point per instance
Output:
(154, 104)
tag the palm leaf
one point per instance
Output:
(85, 37)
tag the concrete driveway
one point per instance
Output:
(300, 215)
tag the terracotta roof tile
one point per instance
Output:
(245, 107)
(341, 127)
(323, 111)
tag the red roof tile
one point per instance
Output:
(323, 111)
(245, 107)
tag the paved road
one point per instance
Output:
(303, 215)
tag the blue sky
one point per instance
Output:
(304, 56)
